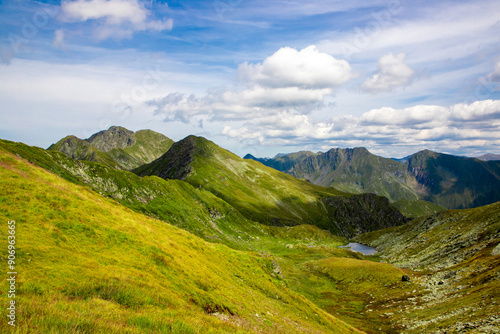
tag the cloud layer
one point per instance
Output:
(458, 126)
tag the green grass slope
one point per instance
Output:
(88, 265)
(418, 208)
(258, 192)
(178, 202)
(456, 258)
(116, 147)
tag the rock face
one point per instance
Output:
(496, 251)
(362, 213)
(114, 137)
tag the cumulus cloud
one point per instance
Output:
(416, 115)
(485, 110)
(307, 68)
(459, 126)
(288, 80)
(392, 73)
(118, 18)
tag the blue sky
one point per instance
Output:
(260, 77)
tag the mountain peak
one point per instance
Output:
(114, 137)
(116, 147)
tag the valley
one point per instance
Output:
(119, 233)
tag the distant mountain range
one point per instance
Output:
(489, 157)
(445, 180)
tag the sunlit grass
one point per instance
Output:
(89, 265)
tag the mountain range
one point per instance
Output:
(129, 232)
(445, 180)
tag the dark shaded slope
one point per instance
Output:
(455, 182)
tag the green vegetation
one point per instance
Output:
(452, 255)
(91, 266)
(231, 246)
(456, 182)
(258, 192)
(116, 147)
(415, 209)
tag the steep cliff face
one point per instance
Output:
(455, 182)
(362, 213)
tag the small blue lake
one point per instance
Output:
(365, 250)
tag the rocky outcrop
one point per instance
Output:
(114, 137)
(362, 213)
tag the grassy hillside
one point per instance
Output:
(258, 192)
(178, 202)
(116, 147)
(418, 208)
(455, 255)
(89, 265)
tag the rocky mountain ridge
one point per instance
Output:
(445, 180)
(116, 147)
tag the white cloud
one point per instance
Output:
(477, 111)
(118, 18)
(456, 29)
(288, 80)
(458, 127)
(420, 114)
(392, 73)
(307, 68)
